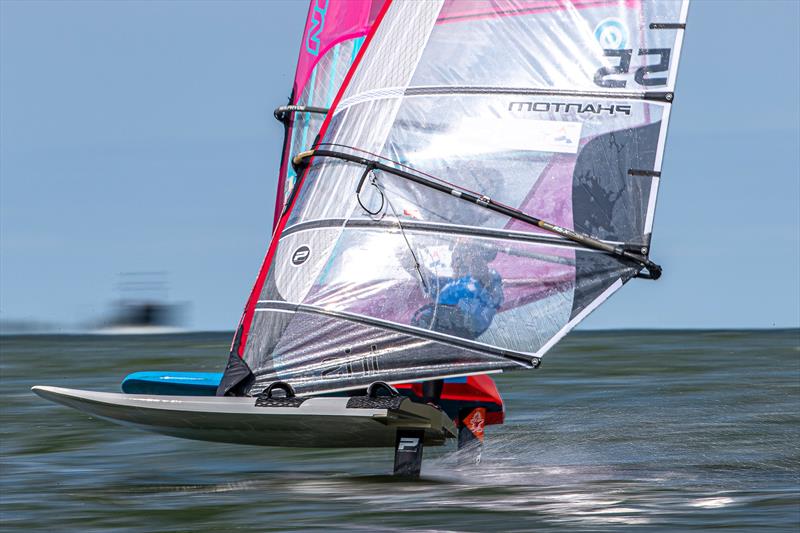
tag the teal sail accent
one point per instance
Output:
(357, 43)
(307, 116)
(332, 87)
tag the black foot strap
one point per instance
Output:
(408, 452)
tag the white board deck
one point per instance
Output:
(324, 422)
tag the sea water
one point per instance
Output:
(617, 431)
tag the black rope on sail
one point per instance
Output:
(617, 250)
(377, 215)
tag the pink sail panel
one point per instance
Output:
(330, 22)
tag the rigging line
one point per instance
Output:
(653, 270)
(384, 202)
(372, 181)
(405, 238)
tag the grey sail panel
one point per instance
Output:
(614, 169)
(346, 351)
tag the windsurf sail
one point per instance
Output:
(486, 177)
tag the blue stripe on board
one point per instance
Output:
(175, 383)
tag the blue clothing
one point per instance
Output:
(465, 306)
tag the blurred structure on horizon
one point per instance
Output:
(142, 308)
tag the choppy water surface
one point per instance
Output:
(622, 430)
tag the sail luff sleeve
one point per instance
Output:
(547, 107)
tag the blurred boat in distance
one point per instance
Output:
(142, 308)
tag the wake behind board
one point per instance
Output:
(328, 422)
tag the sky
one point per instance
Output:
(138, 136)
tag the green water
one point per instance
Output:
(617, 431)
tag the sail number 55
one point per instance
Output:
(642, 74)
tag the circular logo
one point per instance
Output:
(611, 33)
(300, 255)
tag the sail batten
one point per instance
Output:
(431, 227)
(392, 92)
(521, 358)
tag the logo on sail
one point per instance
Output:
(300, 255)
(315, 27)
(611, 33)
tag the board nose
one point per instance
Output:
(48, 393)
